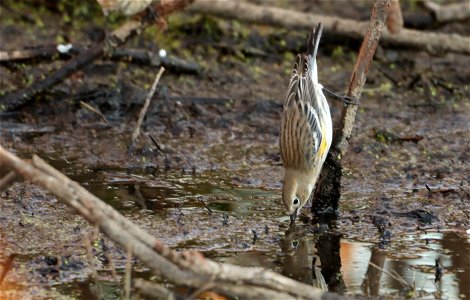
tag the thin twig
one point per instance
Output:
(397, 278)
(143, 111)
(93, 110)
(158, 146)
(205, 205)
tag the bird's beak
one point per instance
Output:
(293, 217)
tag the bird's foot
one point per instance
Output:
(346, 99)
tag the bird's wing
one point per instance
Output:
(301, 133)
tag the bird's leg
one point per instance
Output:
(346, 99)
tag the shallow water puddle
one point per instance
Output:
(450, 248)
(247, 226)
(343, 264)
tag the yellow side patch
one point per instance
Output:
(323, 145)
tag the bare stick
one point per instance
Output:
(94, 110)
(158, 146)
(143, 111)
(328, 188)
(428, 41)
(205, 205)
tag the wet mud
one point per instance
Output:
(214, 184)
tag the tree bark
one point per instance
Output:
(328, 193)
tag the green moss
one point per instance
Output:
(338, 52)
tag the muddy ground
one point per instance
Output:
(405, 192)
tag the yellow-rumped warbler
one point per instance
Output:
(125, 7)
(306, 129)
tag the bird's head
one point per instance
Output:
(296, 190)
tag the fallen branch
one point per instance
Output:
(118, 37)
(136, 56)
(187, 268)
(328, 188)
(449, 12)
(428, 41)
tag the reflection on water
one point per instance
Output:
(323, 260)
(362, 268)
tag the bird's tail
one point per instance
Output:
(312, 49)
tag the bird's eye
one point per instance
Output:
(296, 201)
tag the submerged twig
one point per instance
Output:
(397, 278)
(143, 111)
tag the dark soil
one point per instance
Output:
(405, 190)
